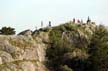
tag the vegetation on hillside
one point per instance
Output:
(98, 50)
(71, 50)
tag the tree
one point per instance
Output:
(7, 31)
(99, 50)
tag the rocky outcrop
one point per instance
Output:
(80, 36)
(22, 53)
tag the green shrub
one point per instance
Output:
(7, 31)
(65, 68)
(44, 29)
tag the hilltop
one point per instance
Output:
(48, 48)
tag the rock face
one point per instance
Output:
(22, 53)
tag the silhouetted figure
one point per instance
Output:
(88, 20)
(73, 20)
(36, 27)
(78, 21)
(41, 24)
(49, 23)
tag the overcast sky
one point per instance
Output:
(27, 14)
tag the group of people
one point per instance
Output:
(81, 21)
(74, 21)
(78, 21)
(49, 25)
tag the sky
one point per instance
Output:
(28, 14)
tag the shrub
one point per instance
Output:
(44, 29)
(7, 31)
(65, 68)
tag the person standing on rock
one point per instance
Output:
(49, 23)
(88, 20)
(41, 24)
(78, 21)
(73, 20)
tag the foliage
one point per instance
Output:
(56, 33)
(44, 29)
(7, 31)
(61, 46)
(55, 56)
(99, 50)
(61, 53)
(65, 68)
